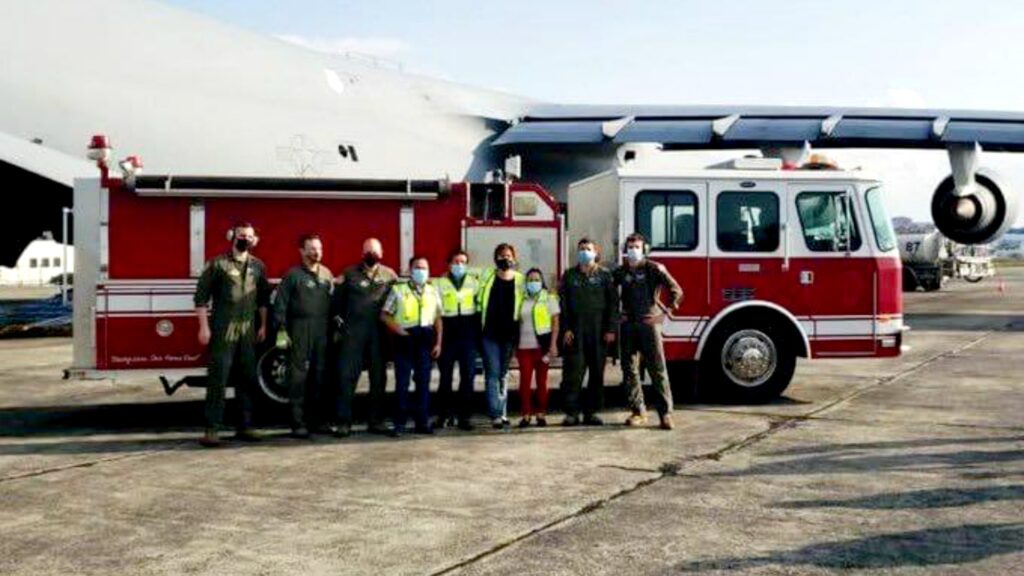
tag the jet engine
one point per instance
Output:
(975, 212)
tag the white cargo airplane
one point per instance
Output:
(190, 95)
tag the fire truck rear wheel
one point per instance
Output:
(748, 361)
(271, 374)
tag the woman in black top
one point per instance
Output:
(501, 294)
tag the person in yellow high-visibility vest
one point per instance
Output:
(413, 314)
(502, 290)
(458, 288)
(538, 344)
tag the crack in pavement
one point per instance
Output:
(89, 463)
(673, 469)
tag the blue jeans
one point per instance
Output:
(496, 357)
(412, 358)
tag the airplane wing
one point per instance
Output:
(42, 160)
(733, 127)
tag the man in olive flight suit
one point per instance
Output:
(236, 282)
(301, 310)
(590, 305)
(642, 282)
(359, 297)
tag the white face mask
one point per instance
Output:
(634, 254)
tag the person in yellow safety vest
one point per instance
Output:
(413, 314)
(538, 344)
(458, 288)
(501, 294)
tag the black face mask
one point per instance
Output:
(242, 244)
(370, 259)
(504, 264)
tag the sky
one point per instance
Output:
(904, 53)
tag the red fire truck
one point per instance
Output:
(775, 263)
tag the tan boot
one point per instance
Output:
(666, 422)
(636, 419)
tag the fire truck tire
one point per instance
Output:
(749, 360)
(974, 279)
(932, 285)
(270, 372)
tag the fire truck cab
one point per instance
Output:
(775, 264)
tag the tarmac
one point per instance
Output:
(910, 465)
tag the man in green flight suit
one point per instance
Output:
(590, 304)
(301, 310)
(359, 297)
(236, 282)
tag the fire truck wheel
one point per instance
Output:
(271, 372)
(973, 279)
(749, 361)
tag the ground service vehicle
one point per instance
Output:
(775, 263)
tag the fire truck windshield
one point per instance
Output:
(827, 221)
(884, 234)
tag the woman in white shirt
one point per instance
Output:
(538, 335)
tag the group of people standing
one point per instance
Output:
(496, 313)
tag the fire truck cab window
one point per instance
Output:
(487, 201)
(748, 222)
(667, 218)
(828, 222)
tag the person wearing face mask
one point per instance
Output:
(538, 344)
(236, 283)
(413, 314)
(359, 296)
(590, 305)
(499, 301)
(458, 289)
(301, 307)
(642, 282)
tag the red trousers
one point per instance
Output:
(530, 362)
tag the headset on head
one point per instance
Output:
(647, 246)
(231, 235)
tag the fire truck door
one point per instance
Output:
(831, 264)
(672, 215)
(747, 244)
